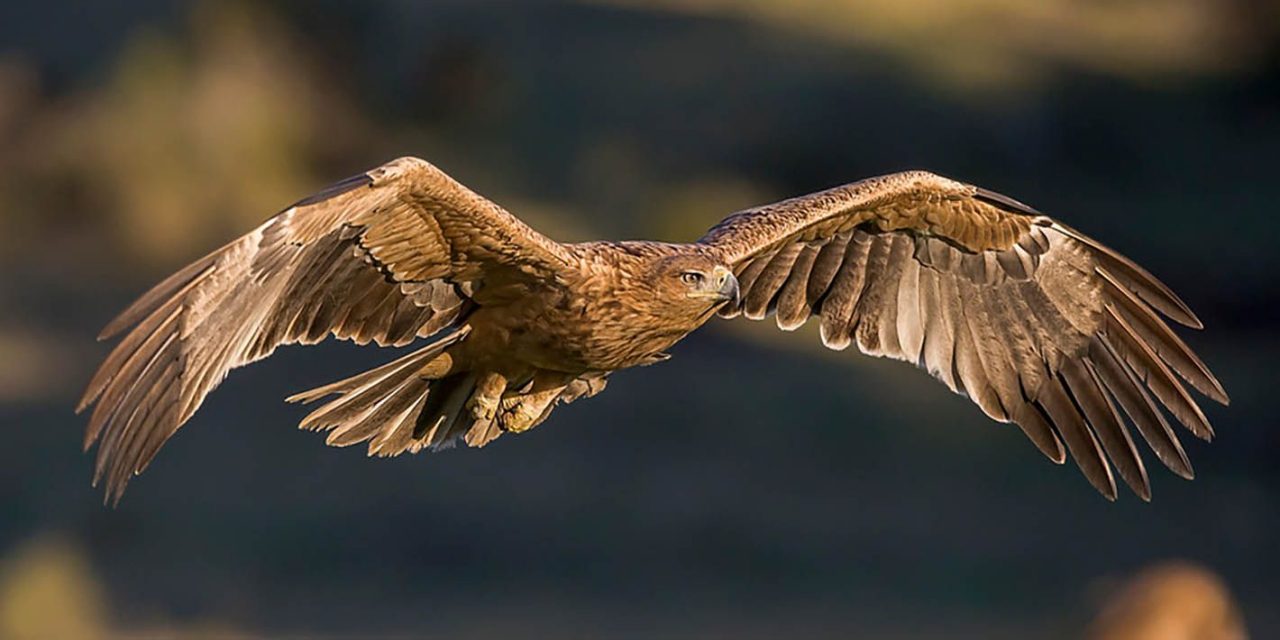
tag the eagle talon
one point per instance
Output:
(484, 403)
(482, 408)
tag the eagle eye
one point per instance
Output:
(692, 278)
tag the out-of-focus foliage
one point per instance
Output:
(18, 101)
(184, 141)
(34, 363)
(47, 590)
(1170, 601)
(50, 591)
(686, 210)
(990, 43)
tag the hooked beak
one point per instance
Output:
(725, 288)
(729, 291)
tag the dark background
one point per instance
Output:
(754, 486)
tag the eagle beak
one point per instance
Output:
(729, 291)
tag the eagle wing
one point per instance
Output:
(398, 253)
(1035, 322)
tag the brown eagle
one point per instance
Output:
(1035, 322)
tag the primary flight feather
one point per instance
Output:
(1035, 322)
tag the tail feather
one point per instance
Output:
(383, 403)
(348, 385)
(385, 415)
(421, 401)
(482, 433)
(443, 406)
(397, 435)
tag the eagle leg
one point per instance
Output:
(487, 396)
(521, 412)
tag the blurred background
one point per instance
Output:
(755, 486)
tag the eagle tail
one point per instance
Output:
(426, 400)
(386, 405)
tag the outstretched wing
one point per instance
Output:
(388, 256)
(1033, 321)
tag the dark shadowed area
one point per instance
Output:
(756, 485)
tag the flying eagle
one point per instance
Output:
(1036, 323)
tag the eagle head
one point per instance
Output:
(696, 282)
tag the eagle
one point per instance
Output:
(1036, 323)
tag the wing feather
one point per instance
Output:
(1141, 409)
(1162, 340)
(999, 391)
(1040, 432)
(756, 303)
(792, 305)
(1035, 322)
(910, 327)
(1083, 445)
(875, 315)
(1107, 425)
(747, 274)
(1140, 281)
(1125, 341)
(842, 297)
(825, 266)
(938, 350)
(384, 257)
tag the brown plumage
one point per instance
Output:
(1036, 323)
